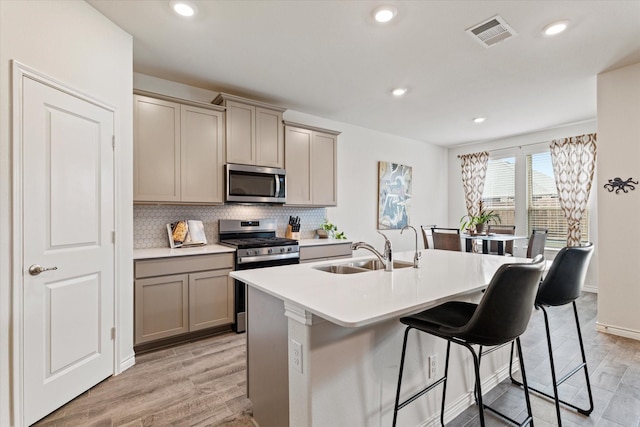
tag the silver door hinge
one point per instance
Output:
(113, 141)
(113, 237)
(113, 333)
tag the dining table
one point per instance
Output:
(486, 238)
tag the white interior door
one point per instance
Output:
(68, 219)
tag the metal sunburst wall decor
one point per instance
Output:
(618, 184)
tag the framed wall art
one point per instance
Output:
(394, 195)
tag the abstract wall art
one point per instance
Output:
(394, 195)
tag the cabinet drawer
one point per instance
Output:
(185, 264)
(325, 251)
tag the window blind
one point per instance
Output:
(499, 189)
(543, 205)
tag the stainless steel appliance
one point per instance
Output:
(255, 184)
(256, 247)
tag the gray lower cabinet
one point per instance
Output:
(177, 295)
(325, 252)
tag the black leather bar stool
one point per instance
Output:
(499, 318)
(562, 286)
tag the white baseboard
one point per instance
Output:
(592, 289)
(127, 363)
(621, 332)
(455, 408)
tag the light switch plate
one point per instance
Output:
(433, 365)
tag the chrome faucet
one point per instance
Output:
(417, 255)
(386, 258)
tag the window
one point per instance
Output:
(499, 188)
(543, 205)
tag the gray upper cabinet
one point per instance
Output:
(254, 134)
(311, 164)
(178, 152)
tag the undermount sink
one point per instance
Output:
(340, 269)
(376, 264)
(360, 266)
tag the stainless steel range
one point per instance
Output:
(256, 247)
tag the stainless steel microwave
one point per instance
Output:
(255, 184)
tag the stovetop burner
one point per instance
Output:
(258, 242)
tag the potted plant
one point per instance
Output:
(478, 222)
(329, 230)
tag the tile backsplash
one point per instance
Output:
(150, 221)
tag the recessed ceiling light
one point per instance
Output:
(479, 119)
(399, 91)
(555, 28)
(184, 8)
(384, 13)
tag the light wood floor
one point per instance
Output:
(197, 384)
(203, 383)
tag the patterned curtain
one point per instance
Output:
(474, 170)
(574, 161)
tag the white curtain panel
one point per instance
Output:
(474, 170)
(574, 161)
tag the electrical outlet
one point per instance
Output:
(433, 365)
(296, 355)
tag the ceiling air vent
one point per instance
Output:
(492, 31)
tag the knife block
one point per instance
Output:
(291, 234)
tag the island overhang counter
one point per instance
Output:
(323, 349)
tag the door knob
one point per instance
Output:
(36, 269)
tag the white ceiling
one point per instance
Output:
(330, 59)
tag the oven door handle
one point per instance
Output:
(266, 258)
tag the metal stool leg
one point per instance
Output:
(399, 405)
(556, 382)
(524, 382)
(529, 419)
(584, 363)
(478, 386)
(404, 349)
(444, 388)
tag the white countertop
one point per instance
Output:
(168, 252)
(215, 249)
(353, 300)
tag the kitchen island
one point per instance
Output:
(324, 348)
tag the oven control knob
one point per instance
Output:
(288, 249)
(270, 251)
(281, 249)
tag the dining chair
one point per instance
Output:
(501, 316)
(501, 229)
(563, 285)
(446, 238)
(425, 234)
(537, 240)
